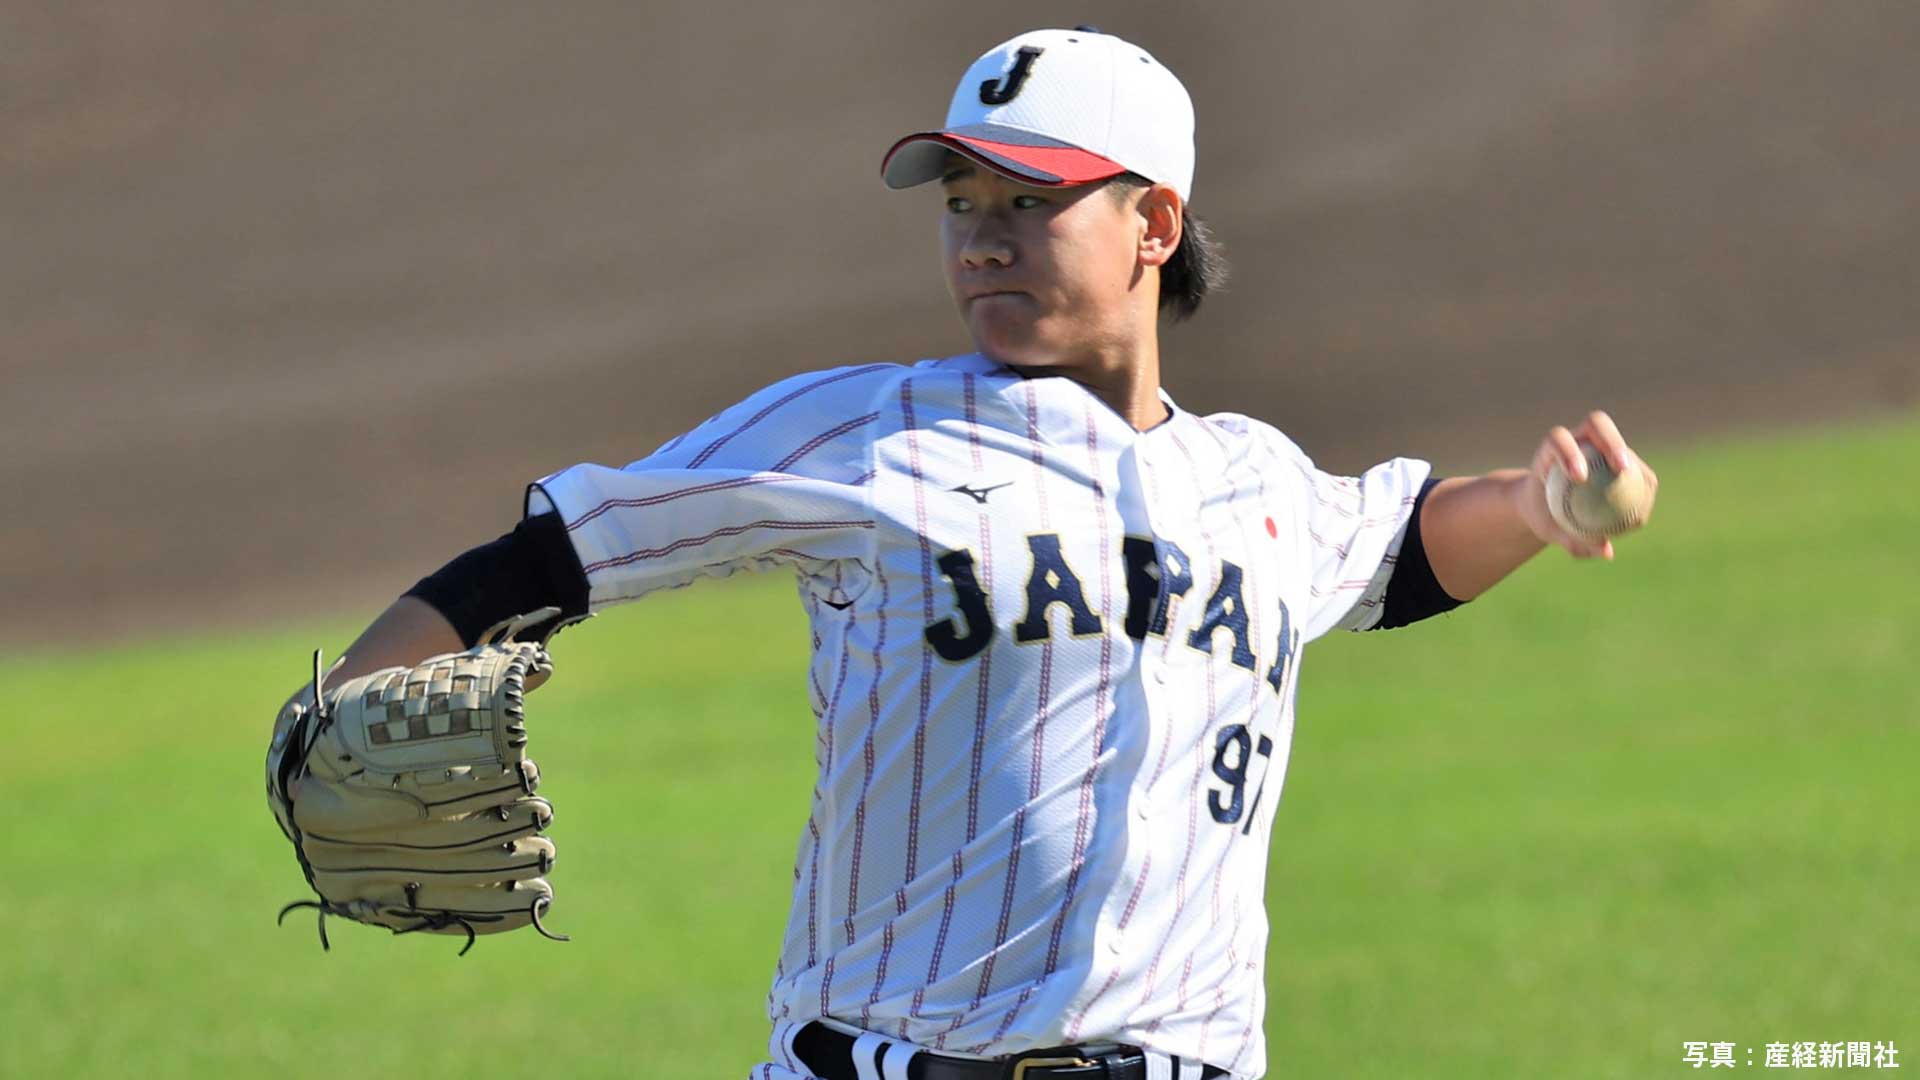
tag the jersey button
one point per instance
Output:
(1160, 675)
(1143, 806)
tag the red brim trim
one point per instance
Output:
(1045, 166)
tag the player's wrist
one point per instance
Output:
(1522, 496)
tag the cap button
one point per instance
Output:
(1085, 29)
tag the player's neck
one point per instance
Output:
(1135, 395)
(1130, 384)
(1127, 380)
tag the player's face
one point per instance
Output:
(1043, 277)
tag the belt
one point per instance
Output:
(829, 1054)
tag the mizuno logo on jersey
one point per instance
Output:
(1153, 580)
(979, 495)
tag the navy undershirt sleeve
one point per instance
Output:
(1413, 593)
(532, 567)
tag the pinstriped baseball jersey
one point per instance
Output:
(1054, 665)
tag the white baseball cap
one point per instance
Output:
(1056, 108)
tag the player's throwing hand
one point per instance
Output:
(1603, 488)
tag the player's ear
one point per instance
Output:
(1160, 214)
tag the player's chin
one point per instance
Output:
(1008, 338)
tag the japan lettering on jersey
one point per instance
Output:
(1054, 663)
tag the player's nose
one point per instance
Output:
(985, 245)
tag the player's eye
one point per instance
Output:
(957, 205)
(1028, 202)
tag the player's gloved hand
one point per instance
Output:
(1565, 448)
(409, 796)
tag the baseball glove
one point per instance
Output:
(409, 796)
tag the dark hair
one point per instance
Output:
(1198, 265)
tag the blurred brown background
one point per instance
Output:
(297, 298)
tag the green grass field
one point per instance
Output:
(1603, 811)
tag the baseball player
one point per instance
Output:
(1058, 621)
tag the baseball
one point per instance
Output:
(1607, 504)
